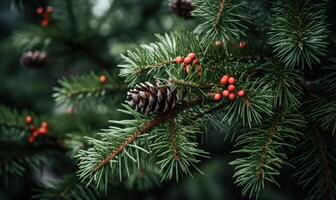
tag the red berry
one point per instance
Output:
(196, 62)
(192, 56)
(188, 60)
(35, 133)
(45, 22)
(39, 10)
(44, 124)
(232, 81)
(225, 93)
(179, 60)
(50, 9)
(42, 131)
(199, 71)
(219, 43)
(103, 79)
(241, 93)
(187, 69)
(224, 80)
(231, 88)
(29, 120)
(232, 96)
(242, 44)
(31, 139)
(218, 97)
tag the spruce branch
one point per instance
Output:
(145, 128)
(68, 187)
(87, 90)
(263, 151)
(226, 23)
(316, 164)
(299, 32)
(149, 61)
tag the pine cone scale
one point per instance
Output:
(148, 98)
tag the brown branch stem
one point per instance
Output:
(145, 128)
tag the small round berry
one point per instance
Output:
(188, 60)
(42, 131)
(192, 56)
(219, 43)
(45, 22)
(199, 71)
(232, 96)
(35, 133)
(231, 88)
(179, 60)
(218, 97)
(241, 93)
(39, 10)
(224, 80)
(242, 44)
(232, 80)
(225, 93)
(50, 9)
(29, 120)
(44, 124)
(196, 62)
(187, 69)
(31, 139)
(103, 79)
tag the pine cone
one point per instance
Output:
(147, 98)
(182, 8)
(34, 59)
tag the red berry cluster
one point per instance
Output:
(103, 79)
(45, 13)
(229, 93)
(188, 62)
(42, 130)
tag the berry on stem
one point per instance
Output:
(103, 79)
(50, 10)
(231, 88)
(31, 139)
(42, 131)
(44, 124)
(187, 69)
(179, 60)
(224, 80)
(35, 133)
(192, 56)
(188, 60)
(232, 96)
(196, 62)
(231, 81)
(241, 93)
(225, 93)
(39, 10)
(29, 120)
(218, 97)
(45, 22)
(242, 44)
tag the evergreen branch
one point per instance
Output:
(299, 33)
(145, 128)
(316, 164)
(68, 187)
(86, 90)
(227, 23)
(263, 151)
(71, 14)
(172, 129)
(149, 61)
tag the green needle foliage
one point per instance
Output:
(299, 32)
(69, 187)
(288, 103)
